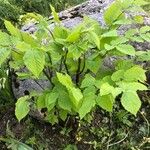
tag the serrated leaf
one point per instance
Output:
(132, 86)
(4, 53)
(63, 114)
(140, 2)
(143, 56)
(75, 96)
(34, 61)
(22, 108)
(134, 74)
(74, 35)
(60, 32)
(119, 40)
(88, 81)
(50, 99)
(94, 64)
(4, 39)
(88, 101)
(126, 49)
(112, 33)
(40, 103)
(95, 38)
(124, 64)
(23, 47)
(144, 29)
(64, 79)
(118, 75)
(27, 38)
(123, 22)
(64, 101)
(112, 12)
(146, 37)
(109, 47)
(13, 30)
(54, 14)
(106, 102)
(108, 89)
(131, 102)
(129, 33)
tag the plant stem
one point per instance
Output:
(65, 58)
(78, 71)
(49, 78)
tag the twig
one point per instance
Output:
(118, 141)
(61, 64)
(78, 71)
(65, 58)
(39, 84)
(49, 78)
(83, 66)
(146, 120)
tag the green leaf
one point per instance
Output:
(126, 49)
(129, 33)
(51, 99)
(94, 64)
(140, 2)
(22, 108)
(4, 39)
(134, 74)
(131, 86)
(124, 64)
(95, 38)
(113, 12)
(27, 38)
(119, 40)
(89, 80)
(88, 101)
(74, 51)
(63, 114)
(34, 61)
(75, 34)
(123, 22)
(138, 19)
(54, 14)
(65, 79)
(13, 30)
(118, 75)
(4, 54)
(75, 96)
(23, 47)
(111, 33)
(144, 29)
(64, 101)
(131, 102)
(145, 36)
(60, 32)
(40, 103)
(143, 56)
(108, 89)
(105, 102)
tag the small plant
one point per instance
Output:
(72, 61)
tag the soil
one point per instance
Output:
(104, 130)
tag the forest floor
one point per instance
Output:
(116, 131)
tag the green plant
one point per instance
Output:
(72, 61)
